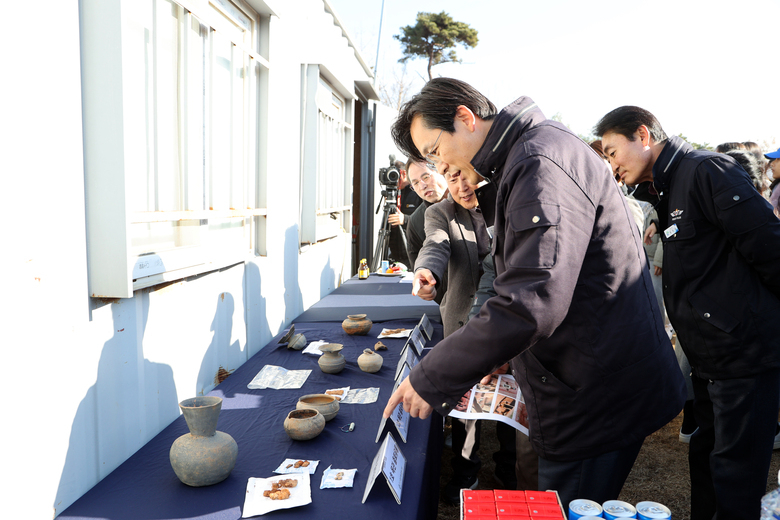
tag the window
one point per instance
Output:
(326, 166)
(171, 139)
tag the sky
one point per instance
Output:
(706, 69)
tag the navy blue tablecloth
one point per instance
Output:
(145, 486)
(381, 298)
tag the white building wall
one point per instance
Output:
(89, 381)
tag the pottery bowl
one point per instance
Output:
(327, 405)
(305, 424)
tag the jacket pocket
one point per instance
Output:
(532, 238)
(739, 216)
(711, 312)
(685, 231)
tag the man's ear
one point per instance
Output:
(644, 136)
(464, 115)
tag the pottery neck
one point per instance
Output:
(202, 421)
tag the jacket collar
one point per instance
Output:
(508, 126)
(672, 153)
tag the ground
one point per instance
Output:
(660, 473)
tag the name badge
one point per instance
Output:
(671, 230)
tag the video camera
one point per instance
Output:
(390, 176)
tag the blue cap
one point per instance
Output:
(773, 155)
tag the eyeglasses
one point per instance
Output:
(432, 156)
(425, 178)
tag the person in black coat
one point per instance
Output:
(574, 311)
(721, 284)
(431, 187)
(408, 202)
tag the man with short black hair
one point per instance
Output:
(574, 310)
(721, 284)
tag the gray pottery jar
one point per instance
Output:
(331, 361)
(204, 456)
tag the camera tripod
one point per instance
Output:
(383, 240)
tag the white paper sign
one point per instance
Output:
(426, 326)
(392, 464)
(417, 340)
(408, 358)
(398, 380)
(399, 417)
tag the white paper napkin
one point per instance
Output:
(256, 504)
(314, 348)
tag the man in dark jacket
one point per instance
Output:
(408, 202)
(573, 292)
(431, 187)
(721, 284)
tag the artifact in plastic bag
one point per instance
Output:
(337, 478)
(297, 466)
(338, 393)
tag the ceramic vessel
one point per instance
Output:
(204, 456)
(357, 325)
(331, 361)
(305, 424)
(327, 405)
(298, 342)
(370, 361)
(289, 334)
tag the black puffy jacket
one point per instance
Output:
(574, 310)
(721, 262)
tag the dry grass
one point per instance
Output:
(660, 473)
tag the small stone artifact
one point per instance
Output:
(204, 456)
(357, 325)
(380, 346)
(369, 361)
(302, 425)
(277, 494)
(332, 361)
(327, 405)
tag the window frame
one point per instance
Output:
(111, 123)
(319, 87)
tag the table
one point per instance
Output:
(145, 486)
(379, 297)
